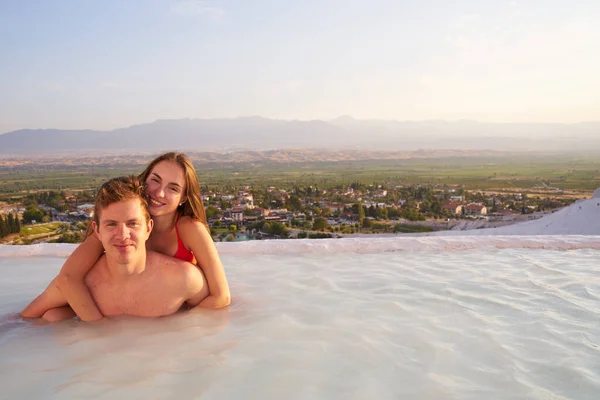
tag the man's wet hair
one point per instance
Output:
(119, 189)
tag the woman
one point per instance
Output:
(180, 230)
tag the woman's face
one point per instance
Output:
(165, 188)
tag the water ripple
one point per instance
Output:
(493, 323)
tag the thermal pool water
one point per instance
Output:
(413, 317)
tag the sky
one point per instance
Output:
(75, 64)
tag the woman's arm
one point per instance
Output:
(196, 237)
(49, 299)
(70, 280)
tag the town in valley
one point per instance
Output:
(290, 200)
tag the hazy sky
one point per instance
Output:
(106, 64)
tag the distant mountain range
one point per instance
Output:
(257, 133)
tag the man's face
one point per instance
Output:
(123, 230)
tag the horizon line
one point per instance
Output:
(341, 117)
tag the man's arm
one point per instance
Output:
(195, 285)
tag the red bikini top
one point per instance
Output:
(182, 252)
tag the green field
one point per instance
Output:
(407, 228)
(514, 172)
(40, 228)
(64, 178)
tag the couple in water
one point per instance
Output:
(149, 251)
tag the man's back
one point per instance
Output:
(161, 289)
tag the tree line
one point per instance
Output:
(9, 224)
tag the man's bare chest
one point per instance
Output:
(144, 299)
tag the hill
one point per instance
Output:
(256, 133)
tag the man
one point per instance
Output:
(127, 279)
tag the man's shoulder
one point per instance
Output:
(155, 258)
(169, 264)
(98, 271)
